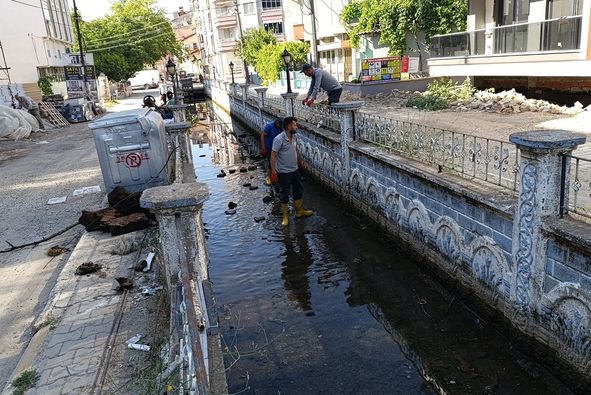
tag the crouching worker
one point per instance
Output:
(284, 166)
(28, 104)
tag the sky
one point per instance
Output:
(93, 9)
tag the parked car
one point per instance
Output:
(145, 79)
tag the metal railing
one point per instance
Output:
(320, 115)
(275, 102)
(560, 34)
(493, 161)
(575, 192)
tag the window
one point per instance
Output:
(271, 4)
(275, 27)
(248, 8)
(228, 34)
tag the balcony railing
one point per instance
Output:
(561, 34)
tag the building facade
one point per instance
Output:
(36, 39)
(541, 47)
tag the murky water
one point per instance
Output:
(329, 305)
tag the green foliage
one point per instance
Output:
(45, 84)
(252, 42)
(445, 88)
(428, 102)
(27, 380)
(395, 19)
(150, 38)
(269, 63)
(440, 93)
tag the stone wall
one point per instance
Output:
(485, 238)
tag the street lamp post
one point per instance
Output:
(286, 57)
(171, 70)
(232, 71)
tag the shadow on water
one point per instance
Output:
(330, 305)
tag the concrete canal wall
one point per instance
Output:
(507, 248)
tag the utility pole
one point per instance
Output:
(314, 35)
(245, 65)
(82, 61)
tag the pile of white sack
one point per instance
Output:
(16, 124)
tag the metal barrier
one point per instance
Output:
(575, 192)
(493, 161)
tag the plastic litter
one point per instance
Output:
(134, 345)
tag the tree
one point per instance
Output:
(395, 20)
(269, 63)
(252, 42)
(136, 34)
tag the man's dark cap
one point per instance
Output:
(305, 67)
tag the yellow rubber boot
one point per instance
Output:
(285, 210)
(268, 179)
(300, 210)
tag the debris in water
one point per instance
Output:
(267, 199)
(232, 205)
(259, 219)
(222, 173)
(243, 170)
(87, 268)
(252, 167)
(230, 212)
(232, 171)
(253, 188)
(246, 184)
(202, 156)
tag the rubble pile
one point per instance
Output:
(395, 98)
(509, 102)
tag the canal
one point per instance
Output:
(331, 305)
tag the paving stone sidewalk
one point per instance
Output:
(81, 317)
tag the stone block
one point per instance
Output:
(503, 241)
(549, 284)
(578, 262)
(565, 274)
(474, 212)
(453, 214)
(556, 251)
(586, 283)
(550, 267)
(494, 221)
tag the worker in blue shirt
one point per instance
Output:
(271, 130)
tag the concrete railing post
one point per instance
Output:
(182, 130)
(539, 197)
(288, 99)
(178, 210)
(234, 87)
(261, 93)
(347, 114)
(244, 88)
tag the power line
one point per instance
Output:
(89, 43)
(123, 45)
(127, 40)
(23, 3)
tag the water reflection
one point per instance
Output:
(294, 270)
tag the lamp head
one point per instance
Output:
(286, 56)
(170, 67)
(231, 65)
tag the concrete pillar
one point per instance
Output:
(182, 130)
(261, 93)
(244, 88)
(234, 88)
(539, 197)
(347, 111)
(179, 111)
(178, 210)
(288, 101)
